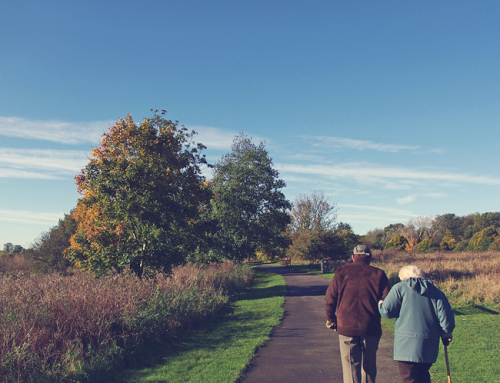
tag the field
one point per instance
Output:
(469, 279)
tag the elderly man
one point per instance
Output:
(423, 316)
(352, 310)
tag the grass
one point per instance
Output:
(312, 268)
(473, 353)
(220, 350)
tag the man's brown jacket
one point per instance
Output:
(352, 298)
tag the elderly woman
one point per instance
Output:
(423, 317)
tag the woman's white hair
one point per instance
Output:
(410, 271)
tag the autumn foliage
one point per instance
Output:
(142, 193)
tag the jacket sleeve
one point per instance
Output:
(331, 298)
(392, 303)
(445, 314)
(386, 288)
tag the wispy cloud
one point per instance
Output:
(407, 199)
(413, 197)
(40, 163)
(368, 173)
(381, 209)
(53, 130)
(340, 142)
(213, 138)
(23, 216)
(16, 173)
(372, 216)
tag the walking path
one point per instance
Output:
(301, 348)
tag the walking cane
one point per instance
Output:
(447, 363)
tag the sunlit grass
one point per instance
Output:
(474, 351)
(220, 350)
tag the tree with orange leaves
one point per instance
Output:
(142, 193)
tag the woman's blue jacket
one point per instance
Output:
(423, 315)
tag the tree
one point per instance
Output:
(482, 239)
(419, 228)
(391, 230)
(346, 239)
(448, 242)
(425, 245)
(142, 195)
(248, 205)
(8, 247)
(374, 239)
(313, 212)
(313, 231)
(313, 245)
(397, 242)
(48, 250)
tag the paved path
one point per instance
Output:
(301, 348)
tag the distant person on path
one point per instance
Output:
(352, 310)
(423, 316)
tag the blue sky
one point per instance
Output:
(389, 107)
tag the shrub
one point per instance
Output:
(448, 242)
(54, 328)
(483, 239)
(425, 246)
(398, 242)
(495, 245)
(462, 245)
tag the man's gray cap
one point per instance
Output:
(362, 250)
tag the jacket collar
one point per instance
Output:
(361, 260)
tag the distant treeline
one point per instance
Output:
(447, 232)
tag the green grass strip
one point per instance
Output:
(220, 350)
(474, 351)
(314, 269)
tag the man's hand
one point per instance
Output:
(446, 339)
(331, 325)
(380, 303)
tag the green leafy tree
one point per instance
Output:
(48, 250)
(313, 231)
(346, 239)
(248, 206)
(448, 242)
(142, 193)
(397, 242)
(374, 239)
(495, 244)
(483, 239)
(425, 245)
(313, 245)
(462, 245)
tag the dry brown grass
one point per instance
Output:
(56, 324)
(465, 277)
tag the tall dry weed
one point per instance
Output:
(53, 326)
(470, 277)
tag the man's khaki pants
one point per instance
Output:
(359, 358)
